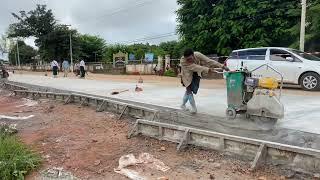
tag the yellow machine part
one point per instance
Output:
(268, 83)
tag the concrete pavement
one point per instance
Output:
(301, 112)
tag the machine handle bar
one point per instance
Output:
(281, 75)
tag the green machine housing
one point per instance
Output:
(237, 90)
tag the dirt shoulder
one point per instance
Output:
(89, 144)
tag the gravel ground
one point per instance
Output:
(89, 145)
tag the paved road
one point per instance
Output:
(302, 112)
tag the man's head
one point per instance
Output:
(189, 55)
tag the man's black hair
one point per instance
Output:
(188, 52)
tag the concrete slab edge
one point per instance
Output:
(299, 159)
(100, 103)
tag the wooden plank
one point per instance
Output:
(184, 140)
(160, 132)
(101, 106)
(68, 100)
(84, 102)
(270, 152)
(260, 157)
(222, 143)
(134, 130)
(123, 111)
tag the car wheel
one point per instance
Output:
(310, 81)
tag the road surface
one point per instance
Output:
(302, 109)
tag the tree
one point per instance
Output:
(218, 26)
(112, 49)
(39, 23)
(92, 47)
(312, 38)
(172, 48)
(57, 44)
(26, 53)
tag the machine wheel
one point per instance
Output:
(310, 81)
(231, 113)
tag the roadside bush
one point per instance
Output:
(16, 160)
(170, 73)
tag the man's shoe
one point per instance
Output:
(184, 108)
(193, 111)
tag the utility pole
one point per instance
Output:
(18, 54)
(71, 58)
(95, 56)
(15, 55)
(70, 42)
(303, 24)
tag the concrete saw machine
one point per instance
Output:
(256, 98)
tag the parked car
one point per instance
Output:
(297, 67)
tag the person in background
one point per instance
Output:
(155, 69)
(168, 67)
(193, 66)
(55, 68)
(82, 69)
(66, 68)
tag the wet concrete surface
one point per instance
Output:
(300, 126)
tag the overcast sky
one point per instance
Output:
(117, 21)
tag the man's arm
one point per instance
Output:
(204, 60)
(196, 68)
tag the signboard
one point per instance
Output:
(149, 57)
(132, 57)
(120, 59)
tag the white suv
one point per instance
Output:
(296, 67)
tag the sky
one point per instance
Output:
(117, 21)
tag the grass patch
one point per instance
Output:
(16, 160)
(170, 73)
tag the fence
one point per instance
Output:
(132, 67)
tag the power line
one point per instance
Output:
(152, 36)
(243, 17)
(119, 10)
(159, 36)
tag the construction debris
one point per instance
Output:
(56, 173)
(28, 103)
(16, 117)
(9, 129)
(145, 159)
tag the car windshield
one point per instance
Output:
(305, 55)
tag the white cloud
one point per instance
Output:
(115, 21)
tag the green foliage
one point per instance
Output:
(16, 160)
(139, 50)
(56, 44)
(26, 53)
(92, 47)
(112, 49)
(37, 23)
(218, 26)
(172, 48)
(170, 73)
(312, 28)
(53, 40)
